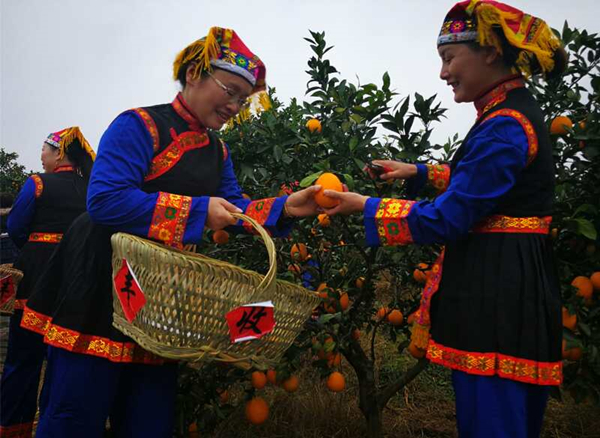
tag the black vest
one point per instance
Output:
(533, 193)
(188, 160)
(62, 199)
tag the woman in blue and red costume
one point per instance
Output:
(491, 309)
(45, 208)
(161, 173)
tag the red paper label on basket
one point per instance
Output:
(129, 291)
(7, 289)
(251, 321)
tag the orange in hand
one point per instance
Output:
(328, 181)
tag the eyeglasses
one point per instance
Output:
(234, 97)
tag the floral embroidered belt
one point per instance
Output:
(45, 237)
(508, 224)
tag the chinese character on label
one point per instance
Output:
(251, 321)
(129, 291)
(7, 289)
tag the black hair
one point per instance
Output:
(181, 75)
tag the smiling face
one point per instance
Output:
(470, 72)
(210, 102)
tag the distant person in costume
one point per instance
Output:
(44, 209)
(491, 309)
(162, 173)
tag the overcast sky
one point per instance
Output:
(82, 62)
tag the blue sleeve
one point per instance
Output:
(495, 154)
(115, 197)
(416, 183)
(22, 213)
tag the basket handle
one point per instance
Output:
(271, 274)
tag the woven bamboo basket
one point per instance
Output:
(7, 269)
(188, 296)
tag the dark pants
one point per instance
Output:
(20, 379)
(491, 407)
(81, 391)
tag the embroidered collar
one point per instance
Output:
(497, 93)
(65, 168)
(182, 108)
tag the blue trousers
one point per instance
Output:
(81, 391)
(492, 407)
(20, 379)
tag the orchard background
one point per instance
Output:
(352, 372)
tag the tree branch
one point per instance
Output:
(389, 391)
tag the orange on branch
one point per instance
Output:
(314, 125)
(295, 269)
(257, 410)
(569, 321)
(259, 379)
(299, 252)
(395, 317)
(382, 312)
(415, 351)
(336, 382)
(595, 279)
(360, 282)
(335, 360)
(291, 384)
(324, 220)
(560, 124)
(328, 181)
(223, 396)
(272, 377)
(221, 237)
(584, 286)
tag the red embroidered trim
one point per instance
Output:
(439, 176)
(431, 287)
(39, 185)
(20, 304)
(497, 94)
(507, 224)
(186, 113)
(64, 169)
(169, 218)
(490, 364)
(390, 220)
(23, 430)
(71, 340)
(45, 237)
(259, 211)
(181, 144)
(150, 126)
(527, 127)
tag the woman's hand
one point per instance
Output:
(219, 214)
(396, 169)
(350, 202)
(302, 203)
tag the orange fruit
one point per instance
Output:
(356, 334)
(259, 379)
(360, 282)
(314, 125)
(295, 269)
(559, 125)
(335, 360)
(575, 353)
(419, 276)
(324, 220)
(344, 301)
(221, 237)
(299, 252)
(272, 377)
(415, 351)
(257, 410)
(328, 181)
(336, 382)
(193, 430)
(412, 317)
(291, 384)
(382, 312)
(554, 233)
(223, 396)
(395, 317)
(595, 279)
(569, 321)
(584, 286)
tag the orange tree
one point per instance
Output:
(572, 107)
(340, 127)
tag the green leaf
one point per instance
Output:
(353, 143)
(310, 179)
(349, 181)
(586, 228)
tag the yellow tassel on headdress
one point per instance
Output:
(201, 51)
(542, 46)
(70, 135)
